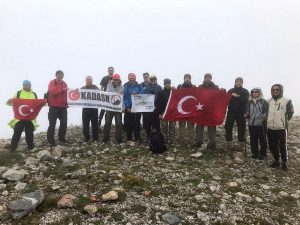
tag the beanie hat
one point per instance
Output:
(59, 72)
(153, 77)
(239, 79)
(187, 75)
(116, 77)
(26, 83)
(131, 75)
(207, 75)
(167, 81)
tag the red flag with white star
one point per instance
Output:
(205, 107)
(27, 109)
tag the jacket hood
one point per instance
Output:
(259, 90)
(281, 91)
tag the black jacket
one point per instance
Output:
(237, 104)
(162, 100)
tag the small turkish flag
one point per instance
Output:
(205, 107)
(27, 109)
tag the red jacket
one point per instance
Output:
(56, 96)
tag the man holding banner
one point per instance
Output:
(26, 107)
(90, 114)
(132, 119)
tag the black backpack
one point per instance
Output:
(157, 142)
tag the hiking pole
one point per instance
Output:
(245, 140)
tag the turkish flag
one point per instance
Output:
(27, 109)
(205, 107)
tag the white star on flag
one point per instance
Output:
(199, 106)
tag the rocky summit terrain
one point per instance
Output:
(95, 183)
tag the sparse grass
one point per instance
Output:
(117, 216)
(48, 204)
(10, 158)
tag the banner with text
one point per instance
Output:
(142, 103)
(88, 98)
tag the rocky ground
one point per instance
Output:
(94, 183)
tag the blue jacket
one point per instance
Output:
(130, 89)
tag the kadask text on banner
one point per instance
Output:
(88, 98)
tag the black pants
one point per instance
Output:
(258, 133)
(132, 125)
(151, 121)
(19, 127)
(241, 125)
(101, 115)
(90, 116)
(55, 113)
(277, 143)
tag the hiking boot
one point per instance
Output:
(262, 157)
(211, 146)
(229, 144)
(275, 164)
(254, 156)
(284, 166)
(198, 145)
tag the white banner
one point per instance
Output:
(142, 103)
(88, 98)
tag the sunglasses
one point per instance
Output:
(275, 89)
(254, 92)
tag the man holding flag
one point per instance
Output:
(26, 107)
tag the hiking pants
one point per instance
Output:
(132, 125)
(18, 129)
(277, 143)
(90, 115)
(257, 133)
(55, 113)
(118, 123)
(211, 130)
(241, 125)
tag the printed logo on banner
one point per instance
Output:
(74, 95)
(115, 99)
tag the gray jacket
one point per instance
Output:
(256, 112)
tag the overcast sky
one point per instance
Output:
(258, 40)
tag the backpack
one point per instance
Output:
(46, 95)
(19, 93)
(157, 142)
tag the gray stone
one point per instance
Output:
(57, 152)
(169, 158)
(233, 184)
(91, 209)
(43, 154)
(26, 204)
(171, 219)
(196, 155)
(3, 169)
(110, 196)
(20, 186)
(258, 199)
(31, 161)
(2, 187)
(14, 175)
(283, 194)
(5, 193)
(79, 173)
(243, 197)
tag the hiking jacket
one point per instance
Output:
(130, 89)
(237, 104)
(280, 111)
(162, 100)
(56, 96)
(256, 111)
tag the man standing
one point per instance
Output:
(152, 118)
(240, 97)
(90, 114)
(207, 84)
(186, 128)
(131, 119)
(116, 87)
(167, 127)
(57, 102)
(103, 85)
(280, 111)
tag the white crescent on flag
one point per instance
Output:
(180, 103)
(21, 108)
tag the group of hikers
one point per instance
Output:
(267, 119)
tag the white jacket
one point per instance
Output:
(278, 113)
